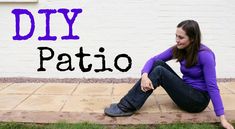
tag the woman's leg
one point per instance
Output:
(161, 74)
(136, 97)
(186, 97)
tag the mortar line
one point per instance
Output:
(71, 94)
(75, 89)
(6, 86)
(28, 96)
(230, 90)
(158, 104)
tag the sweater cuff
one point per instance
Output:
(144, 71)
(219, 112)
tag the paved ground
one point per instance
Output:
(73, 102)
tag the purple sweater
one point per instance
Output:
(202, 76)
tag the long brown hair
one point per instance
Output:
(192, 30)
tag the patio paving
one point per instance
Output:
(78, 102)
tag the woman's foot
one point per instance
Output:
(115, 111)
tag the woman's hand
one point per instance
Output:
(225, 123)
(146, 83)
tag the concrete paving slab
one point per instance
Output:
(224, 89)
(228, 102)
(4, 85)
(93, 89)
(166, 104)
(43, 103)
(116, 99)
(21, 88)
(57, 89)
(84, 104)
(150, 106)
(231, 88)
(8, 102)
(121, 89)
(159, 91)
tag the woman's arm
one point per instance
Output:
(164, 56)
(207, 59)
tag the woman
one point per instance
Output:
(192, 92)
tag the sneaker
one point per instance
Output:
(115, 111)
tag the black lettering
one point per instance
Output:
(60, 57)
(123, 56)
(103, 61)
(82, 55)
(42, 58)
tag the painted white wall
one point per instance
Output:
(139, 28)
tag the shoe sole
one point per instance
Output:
(118, 115)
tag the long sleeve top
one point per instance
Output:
(201, 76)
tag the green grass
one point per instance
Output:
(191, 126)
(61, 125)
(85, 125)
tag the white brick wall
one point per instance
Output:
(139, 28)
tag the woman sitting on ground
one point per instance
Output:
(190, 93)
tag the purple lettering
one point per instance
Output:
(17, 13)
(47, 12)
(70, 22)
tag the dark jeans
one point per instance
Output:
(184, 96)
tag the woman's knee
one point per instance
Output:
(158, 69)
(159, 63)
(156, 75)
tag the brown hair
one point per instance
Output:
(192, 30)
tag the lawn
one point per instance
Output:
(63, 125)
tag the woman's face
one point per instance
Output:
(182, 39)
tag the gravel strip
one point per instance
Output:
(67, 80)
(80, 80)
